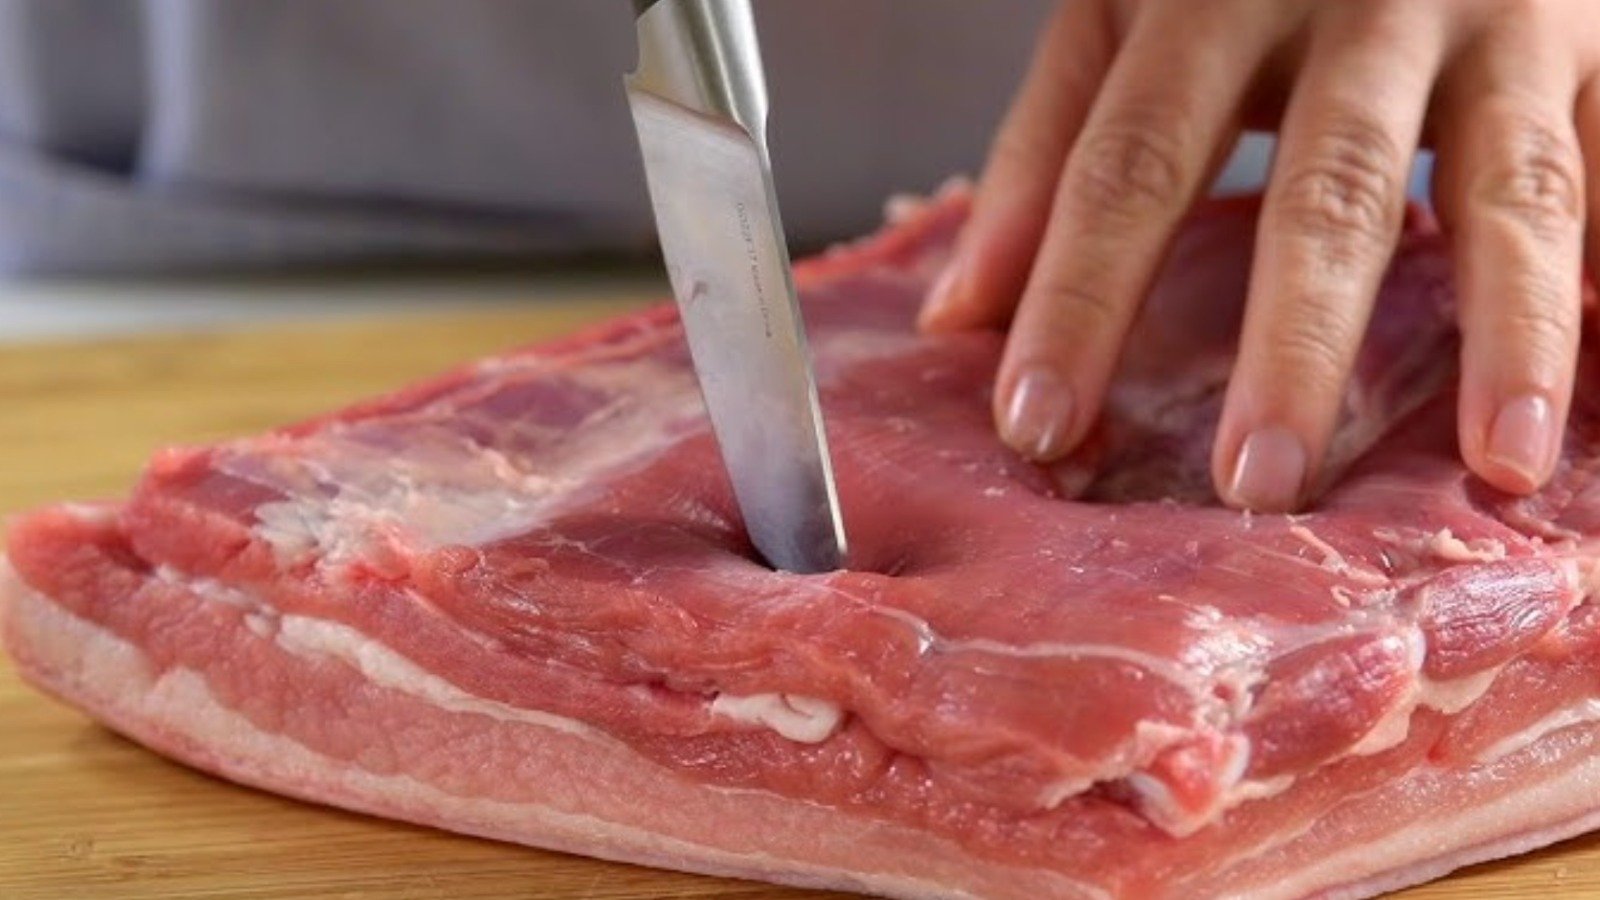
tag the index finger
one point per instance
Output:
(1142, 156)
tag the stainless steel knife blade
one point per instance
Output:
(699, 102)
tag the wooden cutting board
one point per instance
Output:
(85, 814)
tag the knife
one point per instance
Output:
(699, 101)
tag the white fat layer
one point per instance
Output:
(1334, 561)
(1149, 739)
(309, 637)
(108, 674)
(1451, 697)
(208, 589)
(261, 625)
(1529, 817)
(55, 635)
(1443, 544)
(806, 720)
(1257, 789)
(1362, 598)
(1447, 546)
(1225, 656)
(1390, 731)
(349, 486)
(1155, 801)
(1061, 790)
(811, 720)
(1581, 713)
(1448, 697)
(1150, 662)
(1163, 811)
(294, 529)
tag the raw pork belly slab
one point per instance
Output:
(515, 601)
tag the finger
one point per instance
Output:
(981, 284)
(1333, 210)
(1169, 99)
(1511, 191)
(1588, 124)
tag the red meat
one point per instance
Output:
(516, 601)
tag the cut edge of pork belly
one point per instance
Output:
(938, 862)
(675, 822)
(637, 811)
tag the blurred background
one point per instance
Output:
(184, 163)
(166, 162)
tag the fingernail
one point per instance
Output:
(1519, 439)
(1269, 471)
(941, 297)
(1039, 414)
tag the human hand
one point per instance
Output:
(1129, 108)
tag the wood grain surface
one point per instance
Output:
(86, 814)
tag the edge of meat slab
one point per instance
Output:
(516, 601)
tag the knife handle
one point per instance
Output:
(703, 55)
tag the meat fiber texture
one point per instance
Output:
(516, 601)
